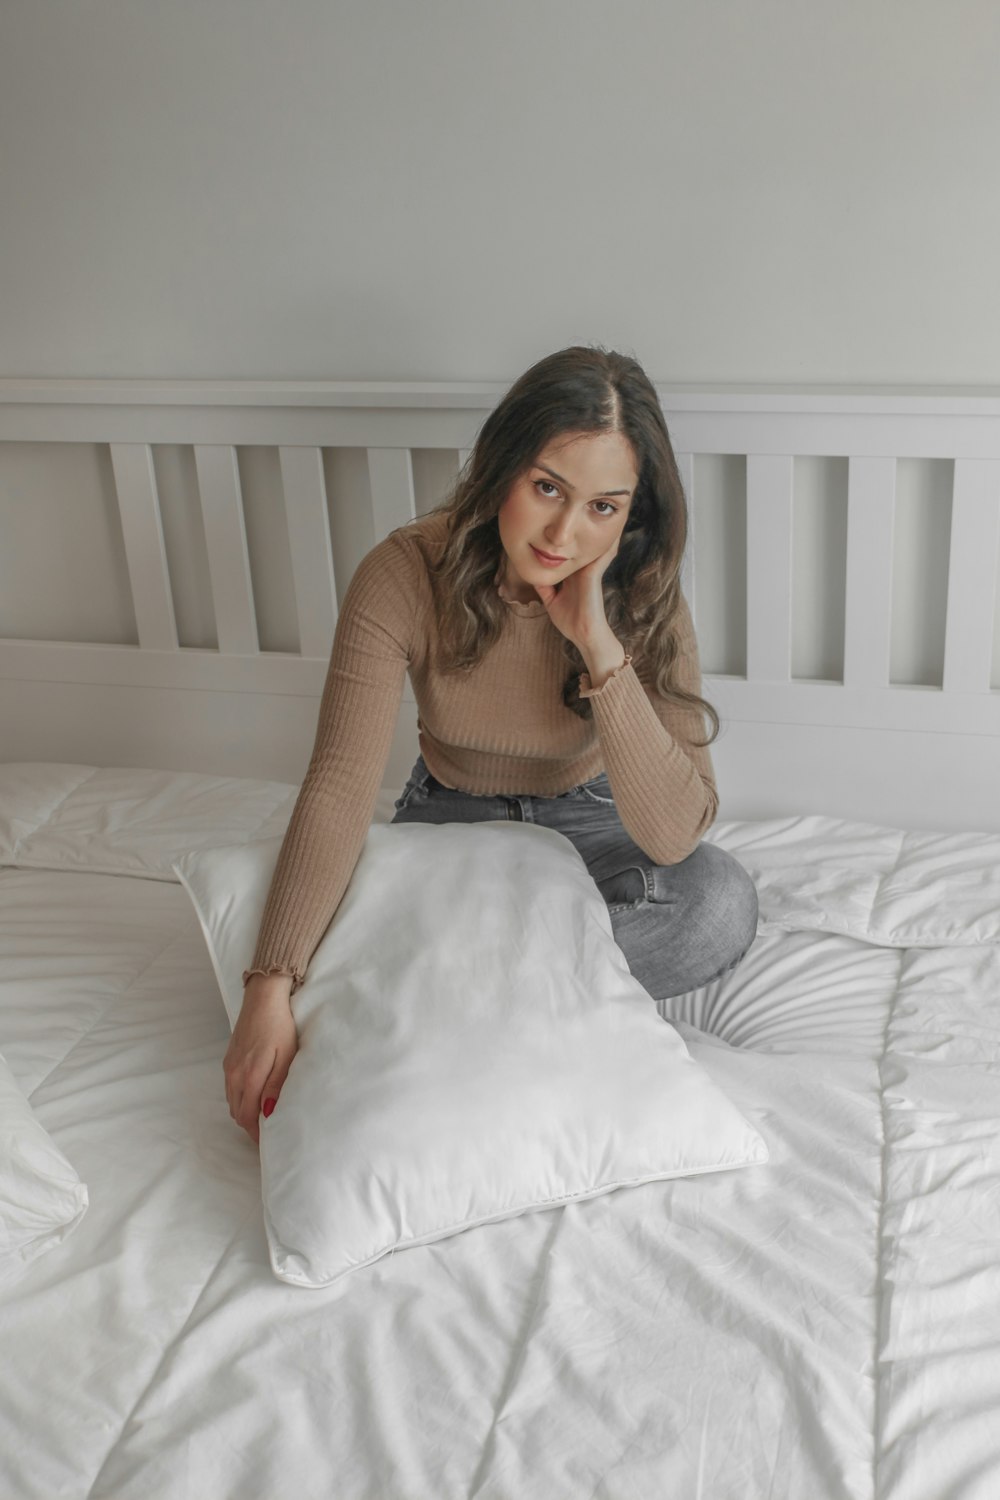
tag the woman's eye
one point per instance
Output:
(545, 484)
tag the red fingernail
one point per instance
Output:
(268, 1107)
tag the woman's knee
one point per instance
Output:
(734, 894)
(695, 922)
(715, 893)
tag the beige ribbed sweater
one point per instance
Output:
(501, 728)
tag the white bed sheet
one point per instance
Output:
(826, 1325)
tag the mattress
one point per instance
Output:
(824, 1325)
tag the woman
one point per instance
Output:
(539, 615)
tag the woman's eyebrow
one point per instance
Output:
(569, 486)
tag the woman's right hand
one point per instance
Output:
(261, 1049)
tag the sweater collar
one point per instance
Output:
(532, 607)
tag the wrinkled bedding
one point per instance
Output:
(825, 1325)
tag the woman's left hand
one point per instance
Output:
(576, 605)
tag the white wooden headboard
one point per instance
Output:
(171, 554)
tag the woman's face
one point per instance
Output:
(572, 503)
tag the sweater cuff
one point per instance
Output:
(586, 691)
(297, 979)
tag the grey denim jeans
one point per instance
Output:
(678, 925)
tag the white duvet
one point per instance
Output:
(827, 1325)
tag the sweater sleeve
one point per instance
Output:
(357, 716)
(663, 784)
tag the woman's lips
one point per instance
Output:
(546, 560)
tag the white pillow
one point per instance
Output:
(472, 1046)
(41, 1197)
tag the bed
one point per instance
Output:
(825, 1324)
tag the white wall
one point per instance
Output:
(734, 190)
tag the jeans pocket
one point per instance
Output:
(416, 789)
(598, 790)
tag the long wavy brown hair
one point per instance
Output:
(583, 389)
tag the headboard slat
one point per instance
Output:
(972, 576)
(311, 551)
(390, 471)
(685, 467)
(770, 479)
(226, 541)
(871, 498)
(142, 531)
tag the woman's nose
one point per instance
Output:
(558, 532)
